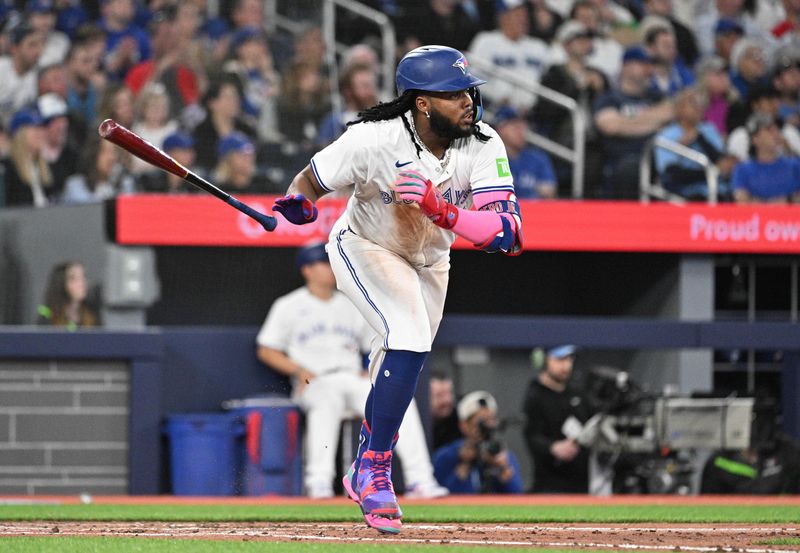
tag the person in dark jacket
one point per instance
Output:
(560, 465)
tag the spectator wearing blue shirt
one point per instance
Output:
(768, 177)
(126, 43)
(531, 168)
(748, 65)
(683, 176)
(626, 118)
(670, 73)
(478, 462)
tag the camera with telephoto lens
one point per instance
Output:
(489, 443)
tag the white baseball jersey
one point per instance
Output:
(370, 155)
(322, 336)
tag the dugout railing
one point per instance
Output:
(650, 184)
(577, 153)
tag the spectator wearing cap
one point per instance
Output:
(315, 336)
(126, 43)
(707, 27)
(222, 104)
(531, 168)
(27, 177)
(714, 83)
(560, 464)
(670, 73)
(684, 37)
(727, 33)
(763, 100)
(581, 82)
(250, 62)
(18, 70)
(236, 166)
(180, 146)
(786, 80)
(102, 174)
(626, 118)
(41, 15)
(683, 176)
(478, 462)
(748, 65)
(606, 54)
(770, 177)
(60, 154)
(512, 49)
(167, 67)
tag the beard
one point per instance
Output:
(444, 128)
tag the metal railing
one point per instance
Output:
(574, 155)
(649, 189)
(333, 48)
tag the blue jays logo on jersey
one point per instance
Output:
(461, 63)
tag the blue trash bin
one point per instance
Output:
(272, 463)
(205, 453)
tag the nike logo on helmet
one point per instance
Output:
(398, 164)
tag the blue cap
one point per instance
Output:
(560, 352)
(504, 115)
(177, 140)
(235, 142)
(245, 34)
(636, 53)
(26, 117)
(214, 28)
(728, 26)
(311, 253)
(39, 6)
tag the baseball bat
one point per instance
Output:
(135, 144)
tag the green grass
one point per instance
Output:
(412, 513)
(779, 541)
(151, 545)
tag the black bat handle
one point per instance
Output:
(268, 222)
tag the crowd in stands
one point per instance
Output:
(247, 103)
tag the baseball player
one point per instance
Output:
(424, 169)
(316, 335)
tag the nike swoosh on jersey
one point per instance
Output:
(398, 164)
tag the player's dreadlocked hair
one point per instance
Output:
(396, 108)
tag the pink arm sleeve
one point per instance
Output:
(480, 226)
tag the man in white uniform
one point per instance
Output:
(424, 169)
(316, 336)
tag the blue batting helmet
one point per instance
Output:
(435, 69)
(438, 69)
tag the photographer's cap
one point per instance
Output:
(560, 352)
(474, 402)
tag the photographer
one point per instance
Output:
(560, 465)
(478, 462)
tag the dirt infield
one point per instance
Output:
(643, 537)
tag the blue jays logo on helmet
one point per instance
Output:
(461, 63)
(435, 69)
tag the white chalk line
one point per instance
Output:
(200, 532)
(674, 529)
